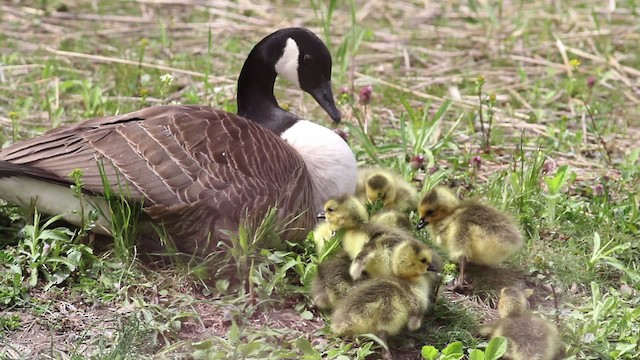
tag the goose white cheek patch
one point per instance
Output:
(287, 66)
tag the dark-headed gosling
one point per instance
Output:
(468, 230)
(529, 337)
(380, 184)
(332, 281)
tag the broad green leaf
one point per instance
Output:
(496, 348)
(555, 184)
(234, 333)
(429, 352)
(307, 315)
(476, 354)
(222, 285)
(33, 277)
(202, 345)
(74, 257)
(250, 348)
(305, 346)
(454, 349)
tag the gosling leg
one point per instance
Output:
(386, 353)
(460, 284)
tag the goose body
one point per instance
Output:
(197, 170)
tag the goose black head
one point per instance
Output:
(296, 54)
(306, 62)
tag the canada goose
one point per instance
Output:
(380, 184)
(198, 170)
(322, 234)
(345, 212)
(332, 281)
(392, 218)
(468, 230)
(384, 305)
(528, 336)
(391, 252)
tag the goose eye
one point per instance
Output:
(307, 59)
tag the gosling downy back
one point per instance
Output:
(384, 305)
(380, 184)
(332, 282)
(392, 218)
(528, 336)
(392, 253)
(468, 228)
(381, 306)
(197, 170)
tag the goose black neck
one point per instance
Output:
(256, 100)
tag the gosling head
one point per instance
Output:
(513, 301)
(380, 186)
(412, 259)
(436, 205)
(344, 212)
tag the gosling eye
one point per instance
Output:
(423, 260)
(429, 213)
(330, 209)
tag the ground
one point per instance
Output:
(557, 82)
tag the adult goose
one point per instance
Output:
(197, 170)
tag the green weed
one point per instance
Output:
(454, 351)
(50, 253)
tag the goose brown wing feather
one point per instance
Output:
(189, 160)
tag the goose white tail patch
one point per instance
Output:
(287, 65)
(53, 199)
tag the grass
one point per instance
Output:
(530, 105)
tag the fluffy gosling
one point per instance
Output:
(332, 281)
(389, 252)
(322, 234)
(468, 230)
(392, 219)
(379, 184)
(529, 337)
(349, 216)
(384, 305)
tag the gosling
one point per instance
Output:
(529, 337)
(468, 230)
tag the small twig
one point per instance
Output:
(555, 303)
(480, 113)
(366, 120)
(106, 59)
(597, 131)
